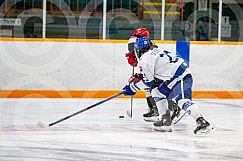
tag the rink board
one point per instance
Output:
(99, 65)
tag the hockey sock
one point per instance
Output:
(191, 108)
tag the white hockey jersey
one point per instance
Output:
(163, 65)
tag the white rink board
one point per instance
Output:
(99, 134)
(103, 66)
(217, 67)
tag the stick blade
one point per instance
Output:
(42, 125)
(129, 114)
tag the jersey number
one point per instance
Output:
(172, 59)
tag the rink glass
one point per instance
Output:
(83, 19)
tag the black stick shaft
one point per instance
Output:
(85, 109)
(132, 96)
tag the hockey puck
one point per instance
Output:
(121, 117)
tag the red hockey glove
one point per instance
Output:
(131, 59)
(136, 78)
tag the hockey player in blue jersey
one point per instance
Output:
(170, 78)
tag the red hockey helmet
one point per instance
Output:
(142, 31)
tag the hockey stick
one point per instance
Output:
(129, 113)
(179, 118)
(41, 124)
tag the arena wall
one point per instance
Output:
(100, 65)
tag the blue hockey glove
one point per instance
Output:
(128, 91)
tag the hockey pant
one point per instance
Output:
(181, 92)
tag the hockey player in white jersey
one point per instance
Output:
(153, 114)
(170, 78)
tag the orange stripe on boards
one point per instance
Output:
(63, 40)
(78, 40)
(215, 43)
(115, 41)
(105, 94)
(61, 94)
(218, 94)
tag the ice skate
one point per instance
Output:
(151, 116)
(176, 111)
(203, 127)
(164, 125)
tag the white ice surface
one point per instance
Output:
(99, 134)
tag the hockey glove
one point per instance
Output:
(136, 78)
(131, 59)
(128, 91)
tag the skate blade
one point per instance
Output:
(151, 119)
(163, 128)
(205, 132)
